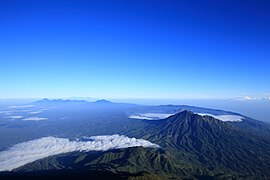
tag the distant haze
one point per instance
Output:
(257, 109)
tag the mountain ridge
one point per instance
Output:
(191, 146)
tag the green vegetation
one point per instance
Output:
(192, 147)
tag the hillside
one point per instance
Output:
(192, 146)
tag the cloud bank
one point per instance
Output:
(26, 152)
(35, 112)
(15, 117)
(150, 116)
(35, 119)
(250, 98)
(25, 106)
(231, 118)
(4, 112)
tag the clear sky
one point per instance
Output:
(134, 48)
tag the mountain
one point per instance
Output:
(103, 101)
(192, 146)
(219, 146)
(246, 124)
(130, 162)
(58, 102)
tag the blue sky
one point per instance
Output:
(134, 49)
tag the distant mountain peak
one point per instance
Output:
(103, 101)
(46, 100)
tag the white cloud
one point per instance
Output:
(150, 116)
(4, 112)
(26, 152)
(231, 118)
(250, 98)
(23, 110)
(35, 112)
(139, 117)
(15, 117)
(25, 106)
(35, 119)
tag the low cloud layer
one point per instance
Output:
(231, 118)
(150, 116)
(15, 117)
(35, 112)
(25, 106)
(250, 98)
(23, 153)
(4, 112)
(35, 119)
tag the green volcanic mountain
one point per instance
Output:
(191, 147)
(218, 146)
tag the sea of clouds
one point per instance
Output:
(225, 118)
(15, 117)
(30, 151)
(35, 119)
(19, 107)
(150, 116)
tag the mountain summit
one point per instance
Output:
(103, 101)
